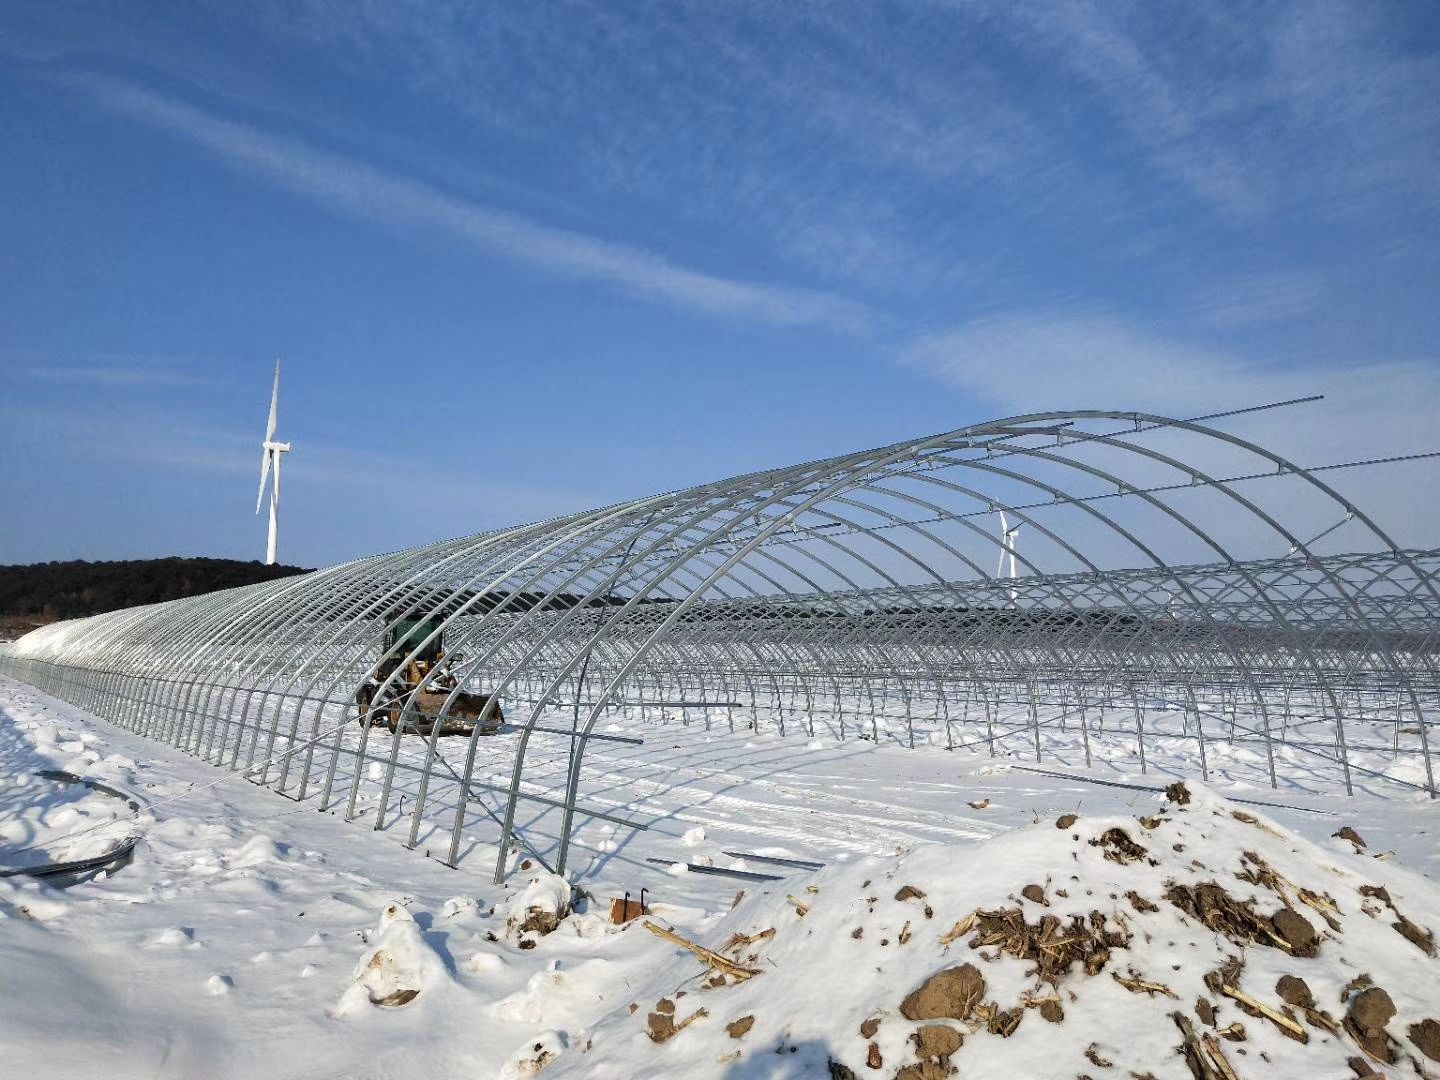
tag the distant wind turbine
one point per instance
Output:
(272, 450)
(1007, 550)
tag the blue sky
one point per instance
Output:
(522, 259)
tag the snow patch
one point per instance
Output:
(534, 1057)
(459, 905)
(397, 970)
(173, 937)
(537, 909)
(32, 900)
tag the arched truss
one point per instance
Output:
(1148, 571)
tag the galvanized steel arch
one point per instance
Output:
(824, 579)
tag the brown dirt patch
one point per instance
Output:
(1365, 1019)
(661, 1026)
(1426, 1036)
(950, 994)
(1294, 990)
(1422, 939)
(937, 1041)
(1297, 932)
(925, 1070)
(739, 1028)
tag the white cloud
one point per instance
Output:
(1028, 362)
(353, 187)
(1089, 360)
(1259, 299)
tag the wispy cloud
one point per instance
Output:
(365, 191)
(1012, 127)
(1255, 108)
(1258, 299)
(134, 432)
(1148, 101)
(1024, 361)
(116, 375)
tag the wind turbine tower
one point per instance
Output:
(1007, 551)
(271, 451)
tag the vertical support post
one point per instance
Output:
(1139, 726)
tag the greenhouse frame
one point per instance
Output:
(1135, 586)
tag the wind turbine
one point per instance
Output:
(271, 450)
(1007, 549)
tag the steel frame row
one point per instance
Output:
(1158, 569)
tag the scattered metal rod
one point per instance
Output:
(718, 871)
(590, 735)
(116, 857)
(683, 704)
(1161, 790)
(799, 864)
(60, 776)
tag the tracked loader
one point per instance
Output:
(401, 699)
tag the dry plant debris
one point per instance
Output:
(1054, 945)
(708, 956)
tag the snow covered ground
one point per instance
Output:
(249, 934)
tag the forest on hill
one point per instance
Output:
(40, 593)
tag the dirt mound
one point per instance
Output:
(953, 993)
(1200, 941)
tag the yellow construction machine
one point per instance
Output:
(388, 701)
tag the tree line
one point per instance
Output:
(45, 592)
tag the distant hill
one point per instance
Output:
(41, 593)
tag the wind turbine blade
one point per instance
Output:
(1004, 539)
(264, 475)
(274, 403)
